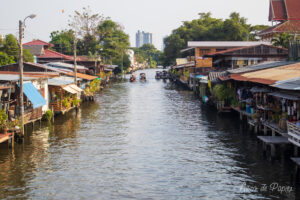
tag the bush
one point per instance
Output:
(223, 93)
(3, 118)
(76, 101)
(48, 115)
(66, 102)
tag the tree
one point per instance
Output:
(282, 40)
(28, 57)
(63, 41)
(10, 46)
(206, 28)
(147, 53)
(85, 26)
(10, 51)
(5, 59)
(85, 23)
(114, 43)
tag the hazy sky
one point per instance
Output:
(159, 17)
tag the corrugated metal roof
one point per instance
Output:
(14, 77)
(215, 75)
(225, 43)
(283, 95)
(292, 84)
(83, 76)
(256, 89)
(261, 66)
(277, 74)
(67, 78)
(75, 87)
(58, 82)
(33, 95)
(69, 89)
(65, 65)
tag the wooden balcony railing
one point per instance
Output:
(294, 133)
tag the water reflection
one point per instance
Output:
(140, 140)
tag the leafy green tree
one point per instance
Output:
(5, 59)
(10, 46)
(114, 43)
(282, 40)
(10, 51)
(147, 53)
(63, 41)
(28, 57)
(206, 28)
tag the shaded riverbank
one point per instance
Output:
(141, 140)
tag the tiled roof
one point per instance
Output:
(293, 9)
(53, 54)
(38, 42)
(288, 27)
(277, 10)
(282, 10)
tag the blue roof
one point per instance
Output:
(33, 95)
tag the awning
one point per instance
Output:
(33, 95)
(256, 89)
(73, 86)
(285, 96)
(73, 89)
(70, 89)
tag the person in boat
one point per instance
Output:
(142, 76)
(132, 78)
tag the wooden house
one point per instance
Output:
(286, 16)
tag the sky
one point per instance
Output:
(159, 17)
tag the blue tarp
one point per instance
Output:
(199, 76)
(33, 95)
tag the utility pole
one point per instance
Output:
(75, 63)
(21, 75)
(21, 102)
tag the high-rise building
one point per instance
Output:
(142, 38)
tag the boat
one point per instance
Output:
(165, 74)
(132, 78)
(158, 75)
(142, 77)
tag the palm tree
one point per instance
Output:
(282, 40)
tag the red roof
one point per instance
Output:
(293, 9)
(38, 42)
(282, 10)
(277, 10)
(288, 27)
(53, 54)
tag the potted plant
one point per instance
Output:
(3, 122)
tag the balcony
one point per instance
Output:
(294, 133)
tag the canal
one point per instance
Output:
(139, 140)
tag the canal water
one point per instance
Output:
(141, 140)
